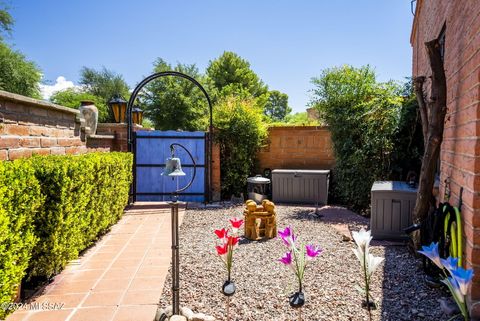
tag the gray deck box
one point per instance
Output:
(300, 186)
(392, 206)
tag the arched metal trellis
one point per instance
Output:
(133, 97)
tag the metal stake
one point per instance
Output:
(175, 259)
(228, 308)
(300, 314)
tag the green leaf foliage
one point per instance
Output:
(53, 207)
(6, 20)
(104, 84)
(240, 131)
(85, 195)
(173, 103)
(72, 97)
(298, 119)
(20, 201)
(230, 74)
(17, 74)
(364, 119)
(277, 107)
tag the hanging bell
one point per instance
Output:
(173, 167)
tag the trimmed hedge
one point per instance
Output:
(20, 200)
(53, 207)
(85, 195)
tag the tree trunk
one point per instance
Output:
(433, 119)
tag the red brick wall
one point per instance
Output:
(460, 154)
(120, 143)
(216, 180)
(296, 147)
(29, 126)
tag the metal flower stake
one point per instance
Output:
(368, 262)
(297, 258)
(227, 240)
(456, 278)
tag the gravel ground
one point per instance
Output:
(264, 284)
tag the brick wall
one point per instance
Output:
(296, 147)
(460, 154)
(216, 179)
(119, 131)
(29, 126)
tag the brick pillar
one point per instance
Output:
(216, 183)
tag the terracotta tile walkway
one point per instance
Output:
(119, 279)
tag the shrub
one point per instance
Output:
(20, 200)
(53, 207)
(85, 195)
(240, 132)
(363, 116)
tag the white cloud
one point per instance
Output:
(60, 84)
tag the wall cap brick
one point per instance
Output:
(319, 127)
(5, 95)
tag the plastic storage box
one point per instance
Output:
(392, 206)
(300, 186)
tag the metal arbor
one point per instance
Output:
(130, 106)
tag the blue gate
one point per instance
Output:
(152, 148)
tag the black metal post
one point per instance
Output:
(175, 259)
(175, 240)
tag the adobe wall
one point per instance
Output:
(460, 153)
(30, 126)
(296, 147)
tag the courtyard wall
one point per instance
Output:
(460, 151)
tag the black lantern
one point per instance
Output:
(137, 115)
(118, 106)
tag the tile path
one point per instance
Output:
(119, 279)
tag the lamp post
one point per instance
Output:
(118, 106)
(137, 115)
(173, 168)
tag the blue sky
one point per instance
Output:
(287, 42)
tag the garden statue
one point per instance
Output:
(260, 220)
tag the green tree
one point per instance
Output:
(240, 132)
(6, 20)
(230, 74)
(363, 116)
(72, 97)
(17, 74)
(277, 107)
(300, 119)
(175, 103)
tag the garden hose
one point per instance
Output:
(453, 233)
(459, 235)
(453, 237)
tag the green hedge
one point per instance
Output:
(20, 200)
(85, 195)
(53, 207)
